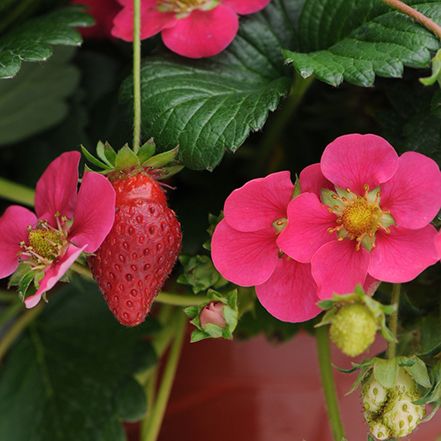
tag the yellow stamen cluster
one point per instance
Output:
(45, 243)
(183, 8)
(359, 217)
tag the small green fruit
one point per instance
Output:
(353, 329)
(390, 412)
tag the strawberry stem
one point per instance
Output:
(154, 422)
(136, 75)
(328, 384)
(393, 321)
(420, 18)
(16, 193)
(18, 326)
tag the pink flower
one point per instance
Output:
(213, 313)
(103, 11)
(246, 250)
(65, 224)
(191, 28)
(364, 213)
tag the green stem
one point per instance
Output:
(11, 311)
(420, 18)
(16, 192)
(136, 75)
(6, 296)
(153, 425)
(393, 321)
(180, 300)
(18, 326)
(324, 355)
(278, 124)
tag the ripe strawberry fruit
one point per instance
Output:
(138, 254)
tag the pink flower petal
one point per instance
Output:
(56, 190)
(152, 20)
(54, 273)
(202, 33)
(307, 229)
(13, 230)
(338, 267)
(246, 259)
(259, 202)
(403, 254)
(413, 195)
(312, 180)
(352, 161)
(244, 7)
(95, 212)
(371, 285)
(290, 294)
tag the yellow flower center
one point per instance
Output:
(359, 217)
(183, 8)
(45, 243)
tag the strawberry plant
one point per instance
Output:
(279, 172)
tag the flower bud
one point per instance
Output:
(390, 412)
(213, 313)
(353, 329)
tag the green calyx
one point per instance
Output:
(355, 319)
(230, 314)
(125, 161)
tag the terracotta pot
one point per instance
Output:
(254, 391)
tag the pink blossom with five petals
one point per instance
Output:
(191, 28)
(66, 223)
(245, 249)
(364, 213)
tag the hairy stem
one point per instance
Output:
(393, 321)
(154, 422)
(324, 355)
(16, 192)
(18, 326)
(136, 75)
(420, 18)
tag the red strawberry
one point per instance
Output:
(137, 256)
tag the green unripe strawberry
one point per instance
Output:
(390, 412)
(353, 329)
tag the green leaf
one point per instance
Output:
(130, 399)
(93, 160)
(385, 371)
(106, 153)
(356, 40)
(35, 100)
(125, 159)
(209, 106)
(67, 377)
(33, 40)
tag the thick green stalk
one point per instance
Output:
(153, 426)
(16, 193)
(136, 75)
(324, 355)
(18, 326)
(420, 18)
(393, 321)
